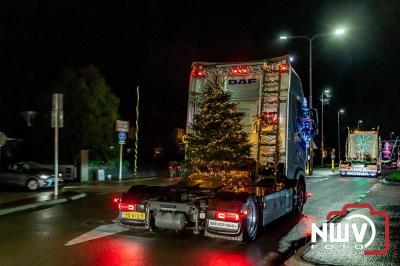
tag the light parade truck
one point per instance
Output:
(280, 128)
(363, 156)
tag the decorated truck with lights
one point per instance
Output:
(363, 156)
(280, 128)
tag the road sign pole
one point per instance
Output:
(120, 162)
(56, 156)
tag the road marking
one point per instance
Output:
(317, 180)
(98, 232)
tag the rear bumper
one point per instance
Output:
(346, 172)
(223, 235)
(236, 235)
(131, 223)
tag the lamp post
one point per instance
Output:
(310, 40)
(340, 111)
(358, 124)
(324, 100)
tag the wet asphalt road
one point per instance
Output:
(39, 237)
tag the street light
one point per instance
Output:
(340, 111)
(324, 100)
(337, 32)
(358, 124)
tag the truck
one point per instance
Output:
(363, 157)
(280, 127)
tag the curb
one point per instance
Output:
(35, 205)
(296, 260)
(123, 181)
(390, 182)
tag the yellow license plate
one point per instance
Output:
(134, 215)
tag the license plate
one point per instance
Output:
(223, 225)
(133, 215)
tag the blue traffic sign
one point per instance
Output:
(121, 136)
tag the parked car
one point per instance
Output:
(29, 175)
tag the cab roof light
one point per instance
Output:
(198, 71)
(240, 70)
(283, 68)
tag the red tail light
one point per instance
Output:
(227, 216)
(122, 206)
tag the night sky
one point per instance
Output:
(152, 44)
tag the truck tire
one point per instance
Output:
(251, 223)
(299, 197)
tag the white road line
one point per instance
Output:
(317, 180)
(98, 232)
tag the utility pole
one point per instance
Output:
(341, 111)
(57, 121)
(136, 131)
(323, 101)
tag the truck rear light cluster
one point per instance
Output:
(270, 118)
(122, 206)
(227, 216)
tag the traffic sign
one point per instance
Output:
(121, 125)
(122, 136)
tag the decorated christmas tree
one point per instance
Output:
(217, 143)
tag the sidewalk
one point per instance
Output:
(31, 202)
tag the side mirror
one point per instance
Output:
(314, 121)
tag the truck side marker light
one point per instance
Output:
(115, 199)
(245, 212)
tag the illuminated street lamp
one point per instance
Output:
(340, 111)
(337, 32)
(325, 96)
(358, 124)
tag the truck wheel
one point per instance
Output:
(251, 221)
(300, 197)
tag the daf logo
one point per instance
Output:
(241, 81)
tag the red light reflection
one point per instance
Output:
(223, 258)
(117, 251)
(305, 224)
